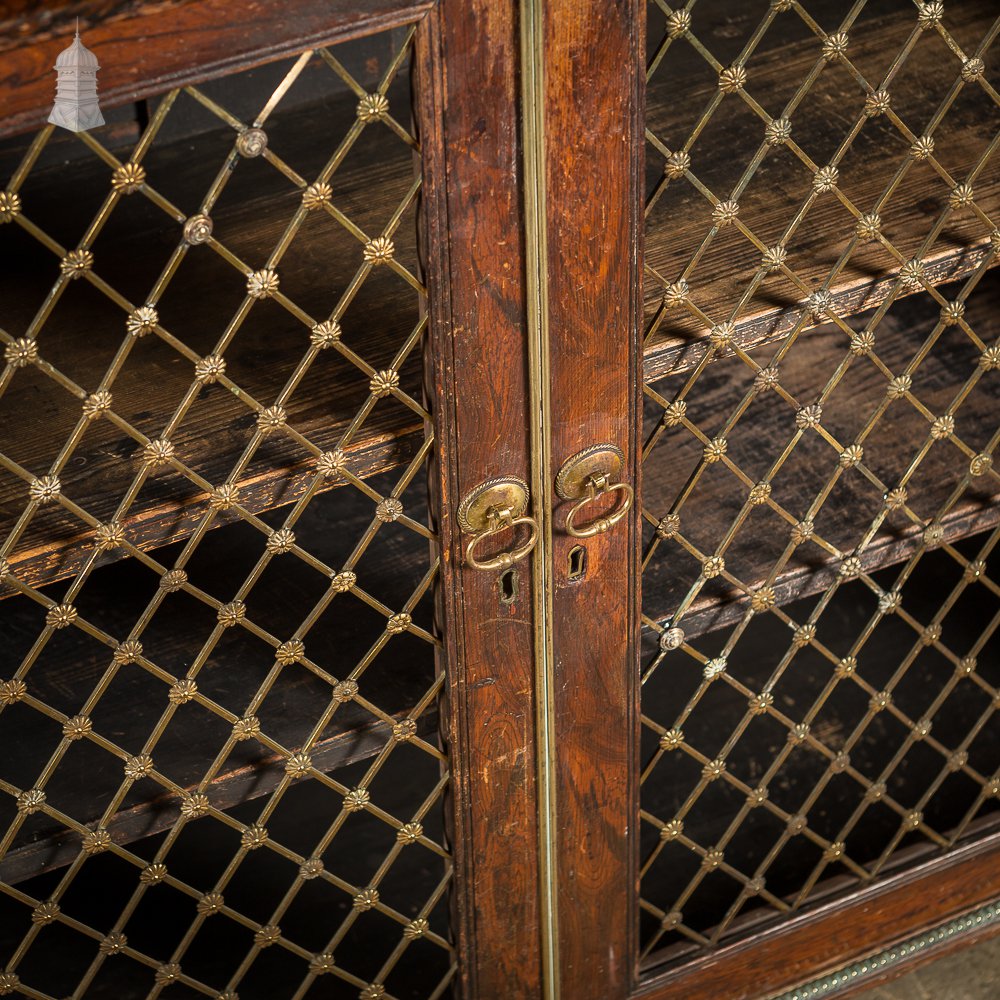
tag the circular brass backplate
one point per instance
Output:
(606, 459)
(505, 493)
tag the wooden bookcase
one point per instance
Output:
(330, 267)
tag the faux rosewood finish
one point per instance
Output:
(468, 80)
(841, 932)
(593, 104)
(149, 48)
(40, 21)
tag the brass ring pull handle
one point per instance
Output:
(499, 520)
(493, 507)
(588, 475)
(599, 487)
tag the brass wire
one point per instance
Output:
(669, 912)
(419, 587)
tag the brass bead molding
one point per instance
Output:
(830, 985)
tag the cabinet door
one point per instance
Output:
(264, 731)
(800, 765)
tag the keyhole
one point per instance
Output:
(577, 562)
(508, 586)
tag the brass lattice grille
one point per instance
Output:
(220, 770)
(820, 685)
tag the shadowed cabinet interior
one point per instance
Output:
(220, 696)
(499, 499)
(820, 666)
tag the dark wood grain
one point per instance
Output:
(43, 19)
(85, 329)
(152, 47)
(676, 226)
(593, 101)
(766, 428)
(468, 88)
(805, 947)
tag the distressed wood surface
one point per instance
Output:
(38, 20)
(478, 387)
(85, 329)
(762, 433)
(593, 101)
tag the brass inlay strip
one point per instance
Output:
(533, 101)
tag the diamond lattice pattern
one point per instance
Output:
(220, 771)
(821, 669)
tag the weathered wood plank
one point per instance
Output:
(477, 383)
(682, 87)
(85, 329)
(761, 435)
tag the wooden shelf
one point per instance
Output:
(764, 430)
(101, 887)
(681, 89)
(85, 329)
(840, 898)
(72, 663)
